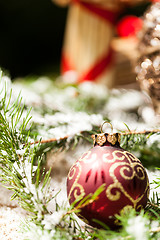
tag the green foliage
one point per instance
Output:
(17, 158)
(21, 172)
(149, 154)
(157, 181)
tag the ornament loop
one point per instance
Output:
(106, 123)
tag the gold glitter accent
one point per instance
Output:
(126, 209)
(128, 170)
(111, 138)
(135, 168)
(139, 208)
(85, 156)
(76, 186)
(94, 139)
(105, 158)
(101, 139)
(119, 138)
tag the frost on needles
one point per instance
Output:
(21, 171)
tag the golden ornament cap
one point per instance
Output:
(102, 138)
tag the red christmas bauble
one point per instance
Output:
(126, 181)
(129, 26)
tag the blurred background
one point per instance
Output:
(31, 36)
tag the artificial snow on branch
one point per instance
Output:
(21, 170)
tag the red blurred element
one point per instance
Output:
(95, 71)
(125, 179)
(129, 26)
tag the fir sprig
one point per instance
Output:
(21, 172)
(17, 158)
(157, 180)
(137, 142)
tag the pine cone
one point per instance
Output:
(148, 66)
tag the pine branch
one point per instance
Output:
(157, 180)
(83, 202)
(145, 132)
(21, 172)
(127, 133)
(134, 141)
(17, 158)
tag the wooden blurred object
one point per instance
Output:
(87, 53)
(87, 45)
(126, 56)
